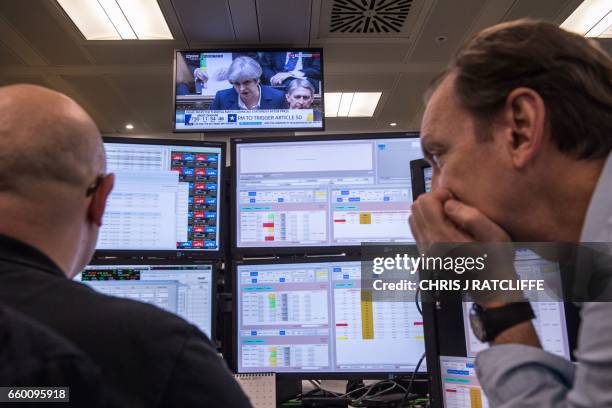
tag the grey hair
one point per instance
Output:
(243, 69)
(300, 83)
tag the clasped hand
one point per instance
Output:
(438, 218)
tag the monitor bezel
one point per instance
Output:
(417, 173)
(294, 250)
(233, 361)
(189, 254)
(253, 49)
(176, 262)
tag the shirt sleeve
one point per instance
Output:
(514, 375)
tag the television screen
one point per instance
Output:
(317, 193)
(166, 196)
(248, 90)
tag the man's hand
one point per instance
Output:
(474, 223)
(429, 222)
(279, 78)
(438, 218)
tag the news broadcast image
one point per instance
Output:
(248, 90)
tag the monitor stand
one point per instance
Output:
(287, 388)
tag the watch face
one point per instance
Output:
(477, 325)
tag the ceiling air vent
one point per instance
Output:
(369, 16)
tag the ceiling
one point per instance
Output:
(121, 82)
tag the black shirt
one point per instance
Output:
(32, 355)
(147, 357)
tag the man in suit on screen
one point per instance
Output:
(280, 68)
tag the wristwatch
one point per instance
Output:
(487, 324)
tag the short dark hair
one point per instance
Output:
(572, 74)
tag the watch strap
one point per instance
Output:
(499, 319)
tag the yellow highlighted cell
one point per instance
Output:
(475, 398)
(367, 317)
(365, 218)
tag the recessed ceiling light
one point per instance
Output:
(129, 126)
(118, 19)
(116, 16)
(593, 18)
(392, 124)
(345, 104)
(351, 104)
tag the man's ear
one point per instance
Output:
(95, 211)
(525, 118)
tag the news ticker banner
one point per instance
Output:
(507, 272)
(236, 119)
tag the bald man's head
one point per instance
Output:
(46, 138)
(51, 153)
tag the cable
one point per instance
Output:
(365, 387)
(365, 396)
(392, 387)
(414, 373)
(416, 300)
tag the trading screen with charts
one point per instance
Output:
(313, 317)
(185, 290)
(324, 193)
(165, 198)
(460, 386)
(550, 320)
(458, 381)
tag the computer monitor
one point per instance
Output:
(167, 196)
(186, 290)
(312, 319)
(460, 385)
(307, 193)
(249, 89)
(451, 361)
